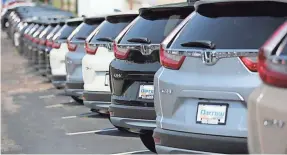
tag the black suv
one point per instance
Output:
(99, 44)
(137, 60)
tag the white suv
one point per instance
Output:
(95, 64)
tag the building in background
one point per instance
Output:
(96, 7)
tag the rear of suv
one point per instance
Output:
(267, 110)
(59, 50)
(97, 95)
(41, 58)
(137, 60)
(209, 70)
(49, 48)
(74, 86)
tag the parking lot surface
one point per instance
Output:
(37, 118)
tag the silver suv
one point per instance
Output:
(209, 70)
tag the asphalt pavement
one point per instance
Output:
(39, 119)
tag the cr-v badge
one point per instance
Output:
(274, 123)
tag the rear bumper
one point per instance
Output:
(181, 142)
(58, 81)
(74, 89)
(133, 117)
(99, 101)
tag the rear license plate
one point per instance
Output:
(107, 79)
(146, 92)
(215, 114)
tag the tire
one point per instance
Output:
(147, 140)
(77, 99)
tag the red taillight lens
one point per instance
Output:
(36, 40)
(90, 49)
(169, 60)
(269, 71)
(56, 45)
(120, 53)
(49, 43)
(71, 47)
(156, 140)
(249, 63)
(42, 42)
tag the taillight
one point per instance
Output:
(272, 72)
(56, 45)
(49, 43)
(120, 53)
(71, 47)
(170, 61)
(90, 49)
(156, 140)
(36, 40)
(250, 63)
(42, 42)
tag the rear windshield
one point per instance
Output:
(33, 29)
(228, 27)
(83, 30)
(53, 32)
(46, 31)
(107, 26)
(64, 32)
(38, 31)
(154, 27)
(28, 28)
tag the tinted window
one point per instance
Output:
(64, 32)
(28, 28)
(83, 30)
(106, 27)
(229, 32)
(154, 26)
(38, 31)
(35, 27)
(53, 32)
(46, 31)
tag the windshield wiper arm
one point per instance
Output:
(199, 43)
(81, 38)
(140, 40)
(107, 39)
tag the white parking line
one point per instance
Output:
(54, 106)
(92, 131)
(69, 117)
(132, 152)
(46, 96)
(79, 116)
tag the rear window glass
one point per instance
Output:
(38, 31)
(107, 26)
(46, 31)
(83, 30)
(237, 32)
(28, 28)
(53, 32)
(33, 29)
(284, 51)
(64, 32)
(154, 26)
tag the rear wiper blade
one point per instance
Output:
(140, 40)
(107, 39)
(81, 38)
(199, 43)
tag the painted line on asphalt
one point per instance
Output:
(132, 152)
(46, 96)
(79, 116)
(54, 106)
(92, 131)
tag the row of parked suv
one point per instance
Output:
(187, 77)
